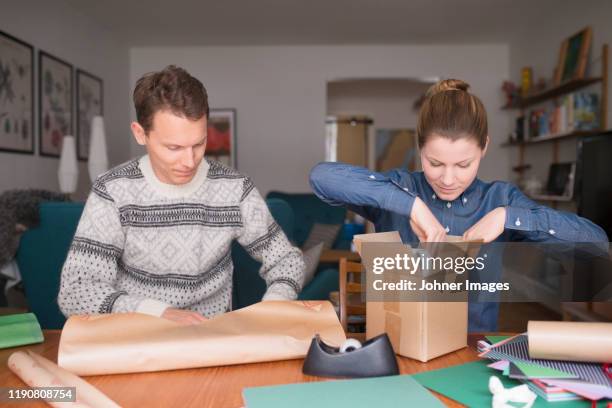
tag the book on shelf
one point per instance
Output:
(577, 111)
(586, 109)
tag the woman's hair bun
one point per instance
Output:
(448, 85)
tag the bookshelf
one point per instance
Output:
(560, 90)
(549, 138)
(553, 94)
(576, 310)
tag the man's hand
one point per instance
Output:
(488, 228)
(185, 317)
(424, 224)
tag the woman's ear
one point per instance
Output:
(484, 151)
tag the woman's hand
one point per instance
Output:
(424, 224)
(185, 317)
(489, 227)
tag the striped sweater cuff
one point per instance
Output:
(280, 291)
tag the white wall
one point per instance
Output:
(538, 47)
(279, 93)
(56, 28)
(388, 102)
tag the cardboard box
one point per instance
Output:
(392, 236)
(419, 330)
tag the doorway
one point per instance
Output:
(372, 122)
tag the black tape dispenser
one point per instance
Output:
(374, 358)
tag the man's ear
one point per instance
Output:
(139, 133)
(484, 151)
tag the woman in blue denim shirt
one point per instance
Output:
(447, 197)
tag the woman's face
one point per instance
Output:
(449, 165)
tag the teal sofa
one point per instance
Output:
(308, 209)
(43, 250)
(41, 255)
(249, 287)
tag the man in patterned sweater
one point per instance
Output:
(156, 232)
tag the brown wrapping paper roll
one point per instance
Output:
(37, 371)
(128, 343)
(572, 341)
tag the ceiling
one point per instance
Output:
(276, 22)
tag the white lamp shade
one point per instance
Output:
(98, 158)
(68, 172)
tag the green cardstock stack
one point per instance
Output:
(19, 329)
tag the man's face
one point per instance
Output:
(175, 145)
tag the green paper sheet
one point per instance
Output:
(19, 329)
(469, 385)
(379, 392)
(496, 339)
(538, 371)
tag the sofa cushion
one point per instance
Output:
(311, 259)
(325, 234)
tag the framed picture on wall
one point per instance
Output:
(55, 103)
(90, 103)
(16, 95)
(573, 56)
(221, 144)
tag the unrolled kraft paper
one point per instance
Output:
(37, 371)
(573, 341)
(128, 343)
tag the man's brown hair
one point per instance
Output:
(451, 111)
(172, 89)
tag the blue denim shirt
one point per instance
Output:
(386, 199)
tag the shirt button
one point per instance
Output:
(433, 196)
(517, 222)
(447, 229)
(448, 205)
(551, 232)
(373, 177)
(405, 189)
(464, 200)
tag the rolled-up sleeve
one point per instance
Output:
(362, 190)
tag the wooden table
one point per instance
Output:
(217, 387)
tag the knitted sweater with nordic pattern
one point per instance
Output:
(142, 245)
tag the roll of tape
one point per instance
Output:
(350, 345)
